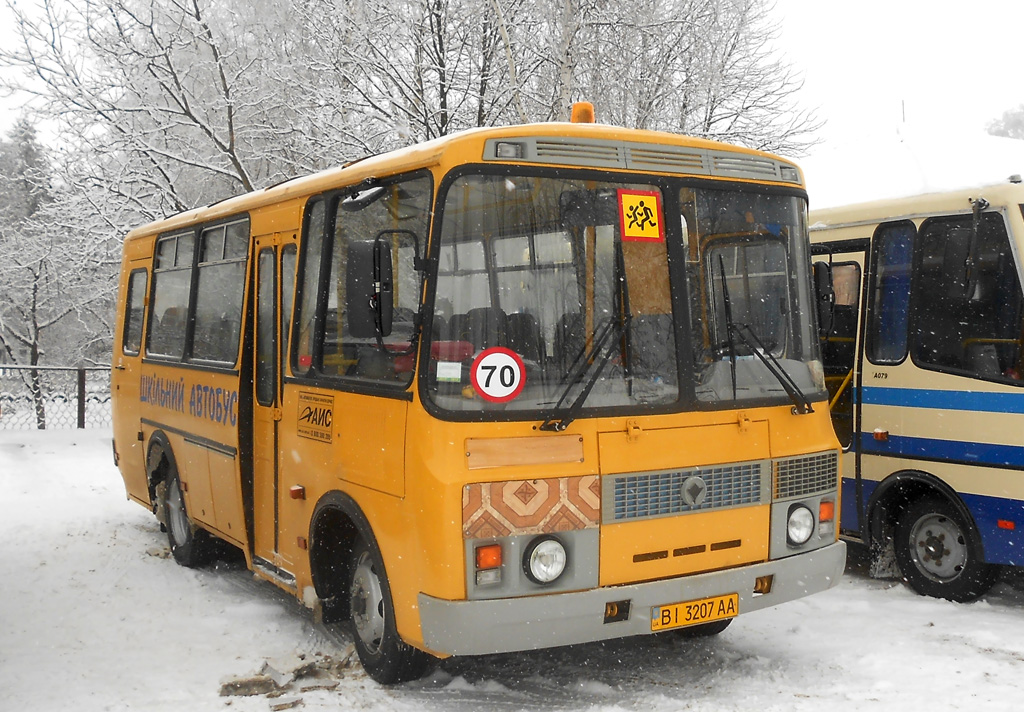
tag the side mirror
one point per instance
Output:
(369, 296)
(825, 296)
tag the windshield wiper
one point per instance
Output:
(801, 404)
(560, 419)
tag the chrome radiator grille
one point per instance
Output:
(807, 474)
(658, 494)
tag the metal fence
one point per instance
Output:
(51, 397)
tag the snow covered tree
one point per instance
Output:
(157, 106)
(1011, 125)
(50, 308)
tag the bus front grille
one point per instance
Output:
(647, 495)
(806, 474)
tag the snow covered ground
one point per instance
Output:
(94, 616)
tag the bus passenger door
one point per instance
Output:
(839, 357)
(275, 270)
(125, 377)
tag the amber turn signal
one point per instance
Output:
(826, 511)
(488, 557)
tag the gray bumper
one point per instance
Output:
(533, 622)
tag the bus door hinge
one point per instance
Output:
(278, 414)
(633, 430)
(743, 421)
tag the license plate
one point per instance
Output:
(703, 610)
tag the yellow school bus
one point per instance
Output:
(512, 388)
(923, 358)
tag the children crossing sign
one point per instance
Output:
(640, 218)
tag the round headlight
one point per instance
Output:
(800, 525)
(544, 559)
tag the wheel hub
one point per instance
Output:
(938, 547)
(367, 605)
(933, 548)
(176, 516)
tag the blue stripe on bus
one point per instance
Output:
(944, 400)
(1001, 544)
(970, 453)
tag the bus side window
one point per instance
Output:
(397, 216)
(312, 249)
(288, 259)
(967, 325)
(887, 331)
(134, 311)
(172, 279)
(221, 286)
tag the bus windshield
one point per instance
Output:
(748, 261)
(562, 294)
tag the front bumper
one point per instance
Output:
(533, 622)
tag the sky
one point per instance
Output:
(875, 64)
(896, 81)
(906, 89)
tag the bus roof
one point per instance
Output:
(910, 207)
(685, 155)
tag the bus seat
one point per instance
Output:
(458, 328)
(170, 330)
(652, 344)
(439, 328)
(487, 327)
(983, 359)
(569, 340)
(524, 337)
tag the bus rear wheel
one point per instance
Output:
(939, 554)
(385, 657)
(190, 545)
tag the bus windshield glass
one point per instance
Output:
(559, 295)
(750, 296)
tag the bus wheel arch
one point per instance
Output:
(336, 526)
(190, 544)
(159, 462)
(924, 525)
(351, 582)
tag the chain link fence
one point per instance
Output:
(49, 397)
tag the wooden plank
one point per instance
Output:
(507, 452)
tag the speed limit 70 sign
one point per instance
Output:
(498, 374)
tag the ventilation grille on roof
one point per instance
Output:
(599, 153)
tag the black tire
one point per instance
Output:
(939, 554)
(385, 657)
(190, 545)
(704, 630)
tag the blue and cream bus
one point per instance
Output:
(924, 363)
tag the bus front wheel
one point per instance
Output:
(939, 554)
(189, 544)
(384, 656)
(704, 630)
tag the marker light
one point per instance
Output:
(826, 510)
(582, 113)
(826, 518)
(509, 150)
(800, 525)
(488, 557)
(544, 559)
